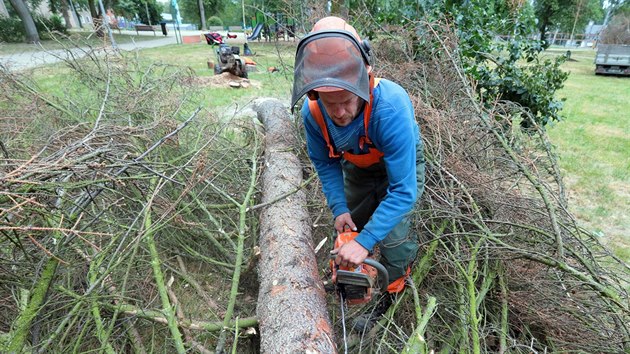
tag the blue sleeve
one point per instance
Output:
(394, 131)
(328, 170)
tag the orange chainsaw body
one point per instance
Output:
(355, 282)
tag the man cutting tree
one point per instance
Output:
(365, 144)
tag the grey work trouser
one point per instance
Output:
(365, 188)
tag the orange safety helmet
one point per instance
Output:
(332, 58)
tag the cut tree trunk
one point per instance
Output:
(291, 301)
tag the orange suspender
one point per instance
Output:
(363, 160)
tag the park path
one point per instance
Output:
(31, 59)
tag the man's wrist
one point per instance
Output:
(365, 240)
(339, 211)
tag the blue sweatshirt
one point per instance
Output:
(393, 131)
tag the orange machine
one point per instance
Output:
(355, 284)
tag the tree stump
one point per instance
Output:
(291, 301)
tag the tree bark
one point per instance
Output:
(202, 15)
(291, 301)
(65, 10)
(25, 15)
(3, 9)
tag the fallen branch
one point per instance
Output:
(158, 317)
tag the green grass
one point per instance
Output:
(265, 84)
(593, 142)
(52, 78)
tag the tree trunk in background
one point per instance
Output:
(92, 7)
(76, 15)
(291, 301)
(3, 9)
(65, 10)
(25, 15)
(202, 15)
(97, 19)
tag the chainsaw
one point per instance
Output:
(356, 284)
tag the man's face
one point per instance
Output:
(342, 106)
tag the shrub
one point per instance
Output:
(11, 30)
(214, 21)
(47, 26)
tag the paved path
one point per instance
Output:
(31, 59)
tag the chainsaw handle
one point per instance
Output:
(382, 272)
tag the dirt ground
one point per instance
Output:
(226, 80)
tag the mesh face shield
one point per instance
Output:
(329, 61)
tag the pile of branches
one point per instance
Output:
(503, 266)
(128, 219)
(617, 31)
(124, 213)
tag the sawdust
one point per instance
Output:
(226, 80)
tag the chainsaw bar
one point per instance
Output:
(343, 321)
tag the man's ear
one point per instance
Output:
(312, 95)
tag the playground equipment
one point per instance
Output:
(256, 33)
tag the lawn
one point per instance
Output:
(276, 84)
(266, 84)
(593, 142)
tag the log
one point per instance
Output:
(291, 306)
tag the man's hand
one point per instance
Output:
(342, 220)
(350, 255)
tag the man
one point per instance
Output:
(365, 144)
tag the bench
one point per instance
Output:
(145, 28)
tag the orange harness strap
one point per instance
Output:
(398, 285)
(362, 160)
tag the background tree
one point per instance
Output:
(24, 14)
(611, 7)
(546, 11)
(202, 14)
(573, 19)
(190, 9)
(61, 7)
(3, 9)
(132, 9)
(232, 13)
(154, 11)
(618, 30)
(497, 65)
(494, 45)
(566, 15)
(127, 8)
